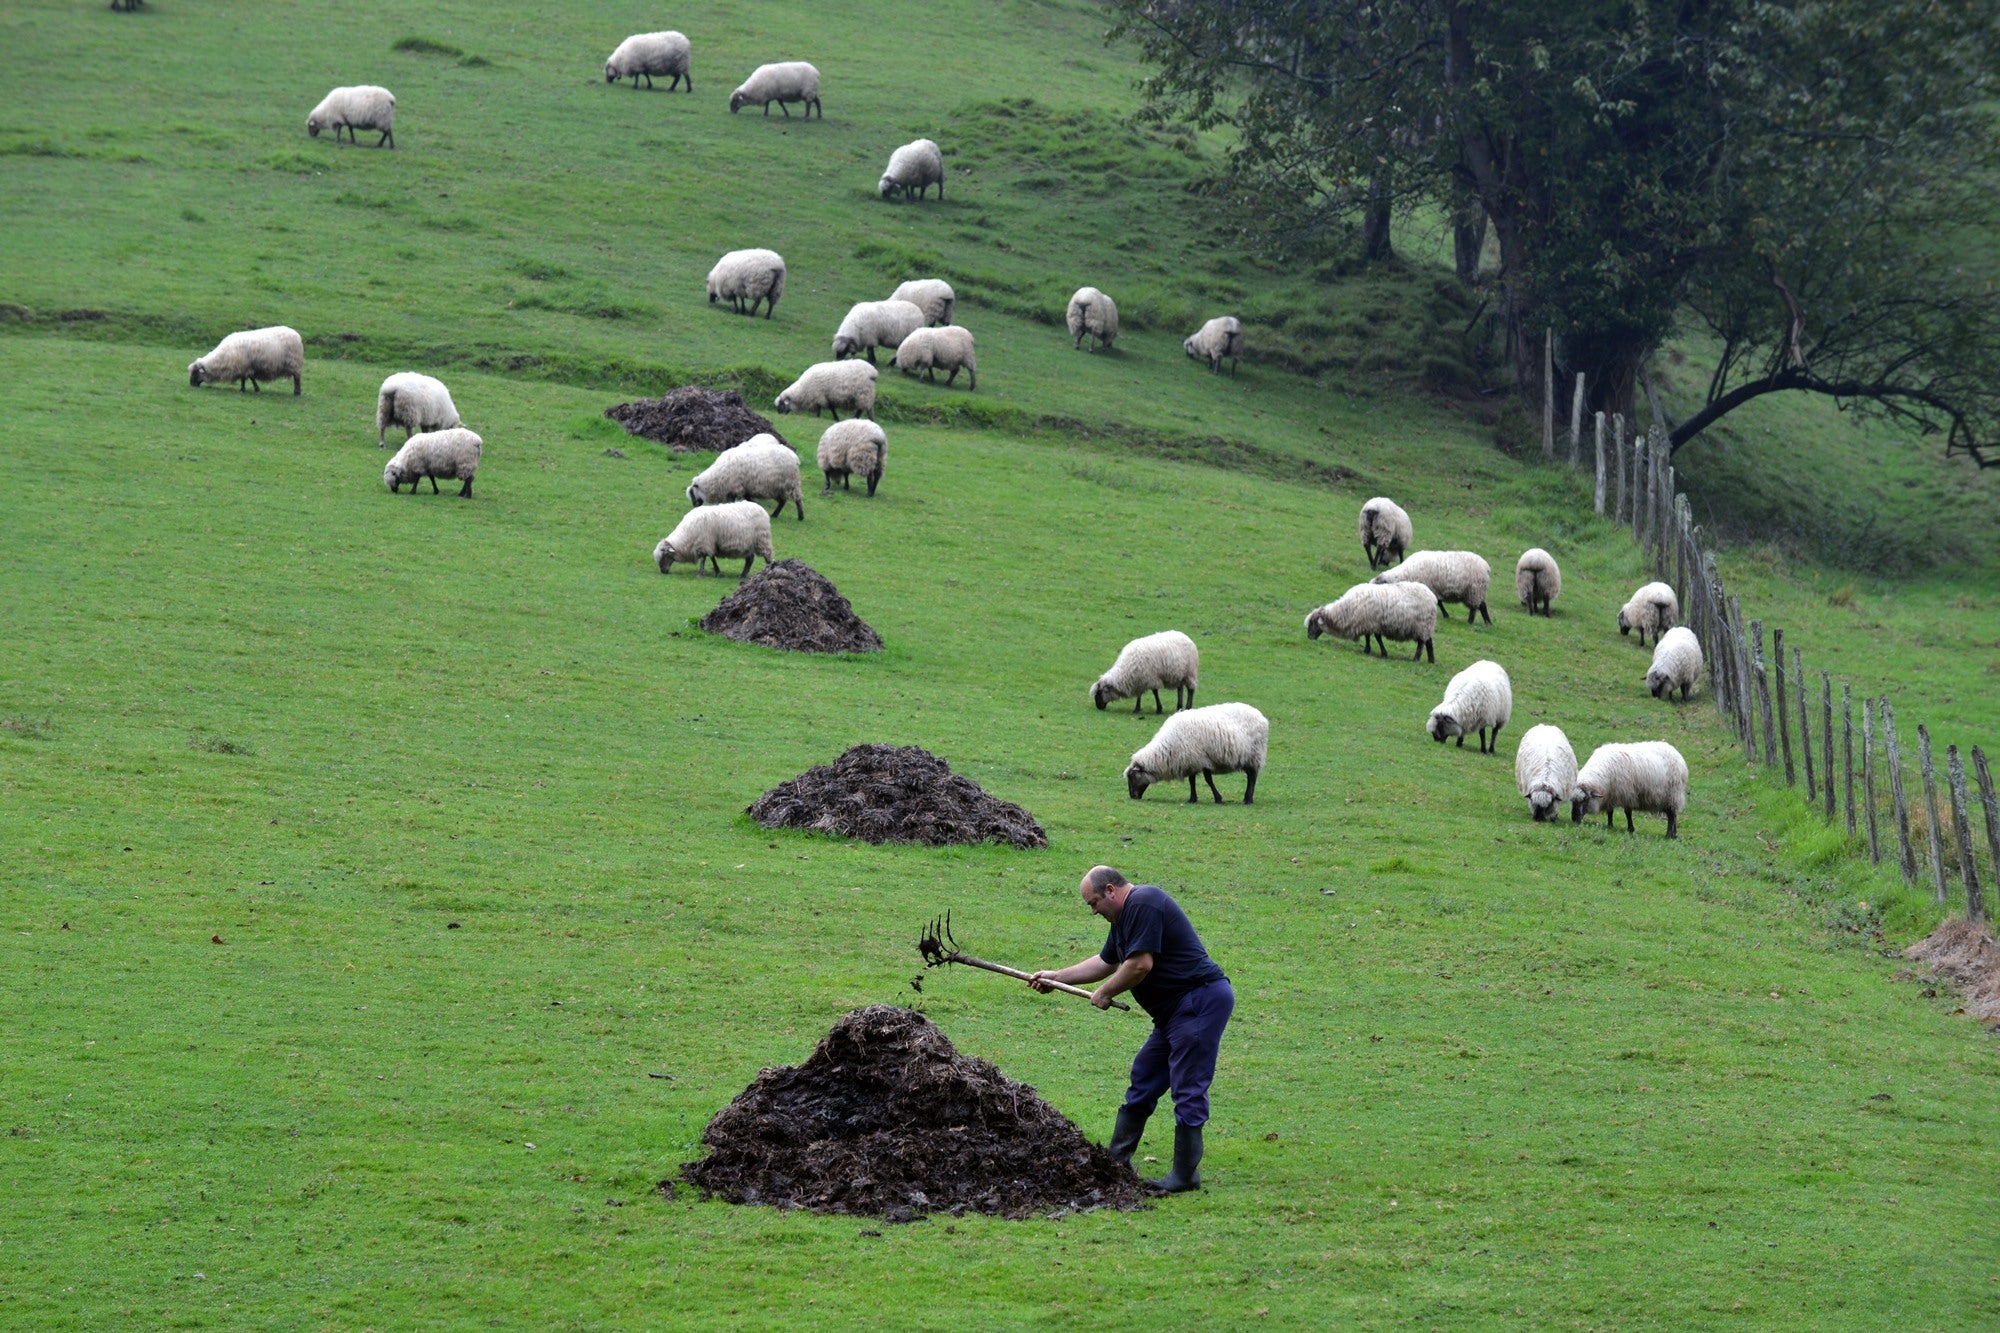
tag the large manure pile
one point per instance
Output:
(1964, 953)
(692, 418)
(793, 606)
(895, 793)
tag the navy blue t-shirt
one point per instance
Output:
(1154, 923)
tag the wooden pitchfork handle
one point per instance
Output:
(1019, 975)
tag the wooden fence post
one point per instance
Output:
(1718, 665)
(1683, 586)
(1992, 807)
(1805, 722)
(1931, 808)
(1826, 734)
(1906, 859)
(1763, 693)
(1784, 721)
(1597, 497)
(1847, 749)
(1660, 551)
(1746, 708)
(1576, 419)
(1638, 482)
(1618, 448)
(1968, 868)
(1548, 393)
(1868, 780)
(1650, 468)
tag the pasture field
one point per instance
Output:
(381, 923)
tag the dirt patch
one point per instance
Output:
(886, 1118)
(693, 418)
(1964, 953)
(895, 793)
(791, 605)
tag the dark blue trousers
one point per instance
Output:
(1180, 1055)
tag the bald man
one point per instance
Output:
(1153, 952)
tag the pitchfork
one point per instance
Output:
(939, 947)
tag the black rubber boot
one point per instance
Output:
(1125, 1134)
(1186, 1174)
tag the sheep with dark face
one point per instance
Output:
(915, 166)
(830, 386)
(363, 107)
(251, 356)
(1167, 660)
(645, 54)
(1455, 576)
(1092, 314)
(1537, 580)
(1478, 700)
(1653, 608)
(1405, 612)
(713, 532)
(1385, 531)
(850, 448)
(1201, 742)
(1676, 664)
(787, 81)
(1648, 776)
(451, 454)
(1219, 340)
(1545, 771)
(872, 324)
(748, 276)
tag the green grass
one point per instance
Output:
(1515, 1073)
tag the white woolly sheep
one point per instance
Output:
(763, 467)
(932, 350)
(362, 107)
(1219, 340)
(1092, 314)
(830, 386)
(415, 403)
(917, 165)
(645, 54)
(1155, 662)
(788, 81)
(933, 296)
(1455, 576)
(1654, 607)
(1648, 776)
(251, 356)
(1385, 531)
(1537, 580)
(713, 532)
(1545, 770)
(873, 324)
(1676, 664)
(451, 454)
(1405, 612)
(850, 447)
(1478, 699)
(748, 275)
(1218, 738)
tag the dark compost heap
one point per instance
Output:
(793, 606)
(1965, 953)
(895, 793)
(886, 1118)
(692, 418)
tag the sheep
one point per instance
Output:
(789, 81)
(1648, 776)
(1216, 341)
(763, 467)
(363, 107)
(752, 275)
(645, 54)
(933, 296)
(917, 165)
(849, 447)
(1385, 531)
(932, 350)
(1405, 612)
(1219, 738)
(830, 386)
(1537, 579)
(451, 454)
(414, 402)
(1455, 576)
(1479, 698)
(1676, 663)
(1151, 663)
(1654, 607)
(1545, 770)
(873, 324)
(714, 531)
(251, 356)
(1092, 314)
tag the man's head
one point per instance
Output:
(1104, 891)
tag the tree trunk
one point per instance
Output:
(1375, 217)
(1468, 240)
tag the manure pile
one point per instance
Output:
(1964, 953)
(886, 1118)
(895, 793)
(692, 418)
(791, 605)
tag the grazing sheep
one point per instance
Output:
(1648, 776)
(1654, 607)
(1154, 663)
(712, 532)
(763, 467)
(830, 386)
(645, 54)
(251, 356)
(1218, 738)
(1385, 531)
(1455, 576)
(363, 107)
(1092, 314)
(915, 166)
(1537, 579)
(414, 402)
(1219, 340)
(849, 447)
(788, 81)
(933, 296)
(932, 350)
(1405, 612)
(748, 275)
(1545, 770)
(1479, 698)
(1676, 663)
(451, 454)
(873, 324)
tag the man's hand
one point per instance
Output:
(1102, 997)
(1040, 982)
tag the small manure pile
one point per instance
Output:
(1965, 953)
(791, 605)
(692, 418)
(895, 793)
(886, 1118)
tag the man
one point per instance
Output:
(1153, 952)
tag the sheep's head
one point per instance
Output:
(845, 345)
(611, 74)
(713, 294)
(1542, 804)
(1442, 726)
(1137, 779)
(783, 402)
(1102, 695)
(694, 494)
(395, 475)
(313, 126)
(663, 554)
(1187, 345)
(197, 374)
(1659, 682)
(1316, 623)
(736, 101)
(1624, 622)
(1587, 799)
(889, 185)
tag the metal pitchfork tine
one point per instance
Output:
(940, 947)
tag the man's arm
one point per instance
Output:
(1090, 969)
(1127, 975)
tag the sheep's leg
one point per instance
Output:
(748, 560)
(465, 493)
(781, 106)
(1444, 611)
(434, 484)
(649, 80)
(1418, 656)
(799, 501)
(1193, 799)
(1673, 825)
(1484, 612)
(1430, 651)
(1139, 702)
(1157, 710)
(1496, 738)
(295, 386)
(1628, 820)
(388, 137)
(1607, 820)
(1250, 790)
(1461, 740)
(1684, 691)
(1210, 776)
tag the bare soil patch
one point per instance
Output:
(1965, 953)
(693, 418)
(792, 606)
(895, 793)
